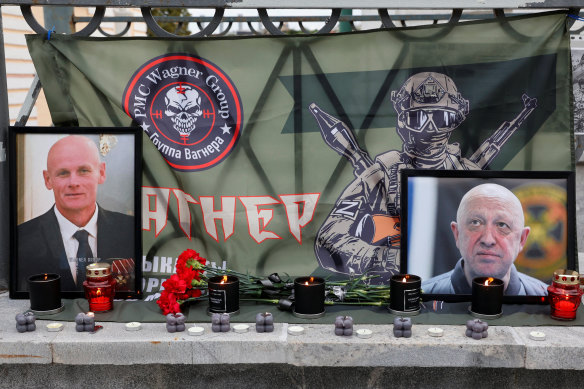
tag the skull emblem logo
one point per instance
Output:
(183, 107)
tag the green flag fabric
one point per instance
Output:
(276, 153)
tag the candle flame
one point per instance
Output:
(46, 276)
(311, 279)
(306, 283)
(404, 280)
(489, 280)
(98, 292)
(224, 280)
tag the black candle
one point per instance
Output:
(45, 293)
(487, 296)
(309, 296)
(223, 294)
(404, 293)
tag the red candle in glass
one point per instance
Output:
(100, 287)
(564, 294)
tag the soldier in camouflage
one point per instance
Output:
(362, 232)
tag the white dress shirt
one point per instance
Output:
(71, 244)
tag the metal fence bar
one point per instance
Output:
(382, 16)
(4, 180)
(29, 101)
(310, 4)
(579, 145)
(318, 18)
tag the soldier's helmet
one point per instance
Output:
(429, 98)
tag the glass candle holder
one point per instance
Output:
(100, 287)
(564, 294)
(404, 294)
(309, 293)
(487, 297)
(45, 293)
(223, 294)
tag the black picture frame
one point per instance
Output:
(120, 193)
(442, 191)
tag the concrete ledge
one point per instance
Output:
(562, 349)
(505, 347)
(320, 347)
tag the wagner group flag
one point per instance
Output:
(282, 153)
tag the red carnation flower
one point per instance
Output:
(175, 285)
(179, 286)
(167, 303)
(194, 293)
(187, 274)
(186, 255)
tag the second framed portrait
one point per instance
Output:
(75, 199)
(518, 226)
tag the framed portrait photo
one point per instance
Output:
(75, 200)
(518, 226)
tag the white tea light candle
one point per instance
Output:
(133, 326)
(435, 332)
(295, 330)
(536, 335)
(54, 327)
(364, 333)
(196, 331)
(241, 328)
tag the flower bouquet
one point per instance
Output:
(190, 281)
(185, 284)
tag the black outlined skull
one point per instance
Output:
(183, 107)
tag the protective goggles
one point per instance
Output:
(444, 120)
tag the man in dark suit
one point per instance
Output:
(75, 231)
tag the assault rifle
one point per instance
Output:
(341, 138)
(492, 146)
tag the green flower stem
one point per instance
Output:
(356, 291)
(327, 302)
(194, 299)
(271, 301)
(370, 303)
